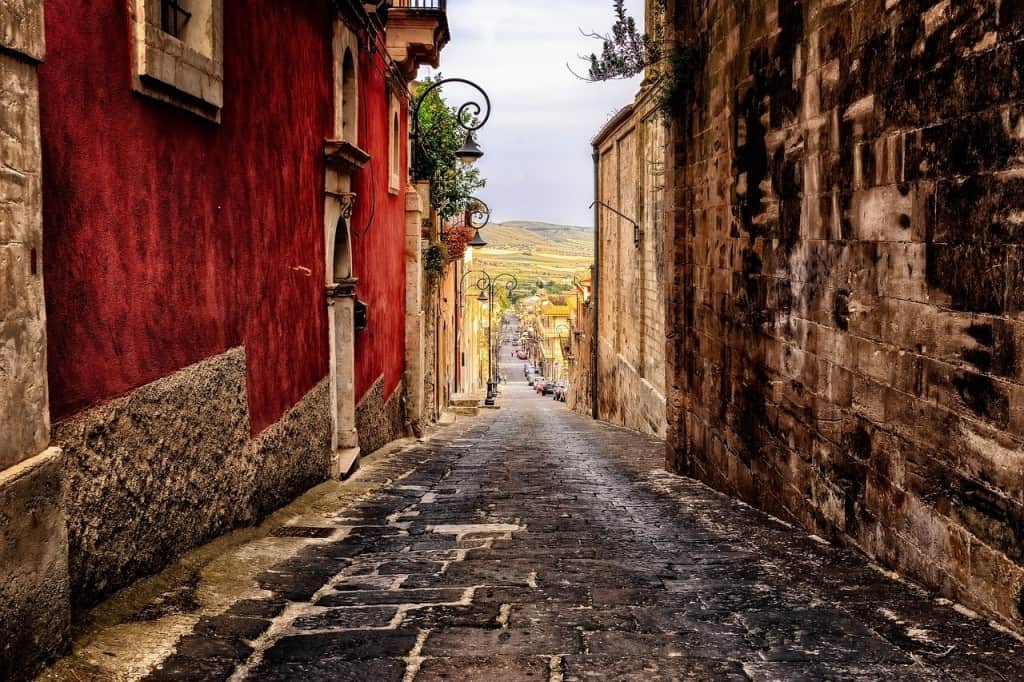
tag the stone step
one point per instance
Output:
(467, 411)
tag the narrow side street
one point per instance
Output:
(532, 543)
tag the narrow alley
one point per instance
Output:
(439, 339)
(533, 543)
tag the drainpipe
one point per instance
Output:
(595, 279)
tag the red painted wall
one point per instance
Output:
(378, 238)
(169, 239)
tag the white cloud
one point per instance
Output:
(537, 143)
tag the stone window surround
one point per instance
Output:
(167, 69)
(346, 110)
(394, 146)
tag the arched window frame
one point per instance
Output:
(349, 93)
(394, 146)
(346, 84)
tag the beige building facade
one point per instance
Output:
(629, 287)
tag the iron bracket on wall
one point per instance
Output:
(638, 234)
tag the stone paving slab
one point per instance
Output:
(531, 543)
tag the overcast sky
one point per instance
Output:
(537, 144)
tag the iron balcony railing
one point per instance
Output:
(433, 5)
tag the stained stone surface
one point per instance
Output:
(844, 281)
(539, 545)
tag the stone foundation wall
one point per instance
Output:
(379, 420)
(845, 298)
(34, 593)
(294, 454)
(170, 466)
(625, 398)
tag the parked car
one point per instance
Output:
(561, 388)
(539, 384)
(547, 388)
(535, 379)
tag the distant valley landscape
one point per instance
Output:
(536, 251)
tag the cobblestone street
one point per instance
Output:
(531, 543)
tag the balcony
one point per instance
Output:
(425, 5)
(417, 31)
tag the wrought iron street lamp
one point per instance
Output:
(471, 117)
(478, 215)
(487, 285)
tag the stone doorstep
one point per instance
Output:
(467, 411)
(344, 462)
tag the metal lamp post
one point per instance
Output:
(468, 118)
(486, 285)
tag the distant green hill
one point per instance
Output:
(536, 251)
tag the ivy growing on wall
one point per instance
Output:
(435, 258)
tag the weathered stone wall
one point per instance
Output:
(579, 395)
(431, 300)
(34, 594)
(631, 366)
(24, 411)
(162, 470)
(380, 419)
(34, 601)
(846, 282)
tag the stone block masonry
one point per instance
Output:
(631, 334)
(844, 305)
(34, 601)
(24, 409)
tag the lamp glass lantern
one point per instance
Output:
(477, 240)
(470, 151)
